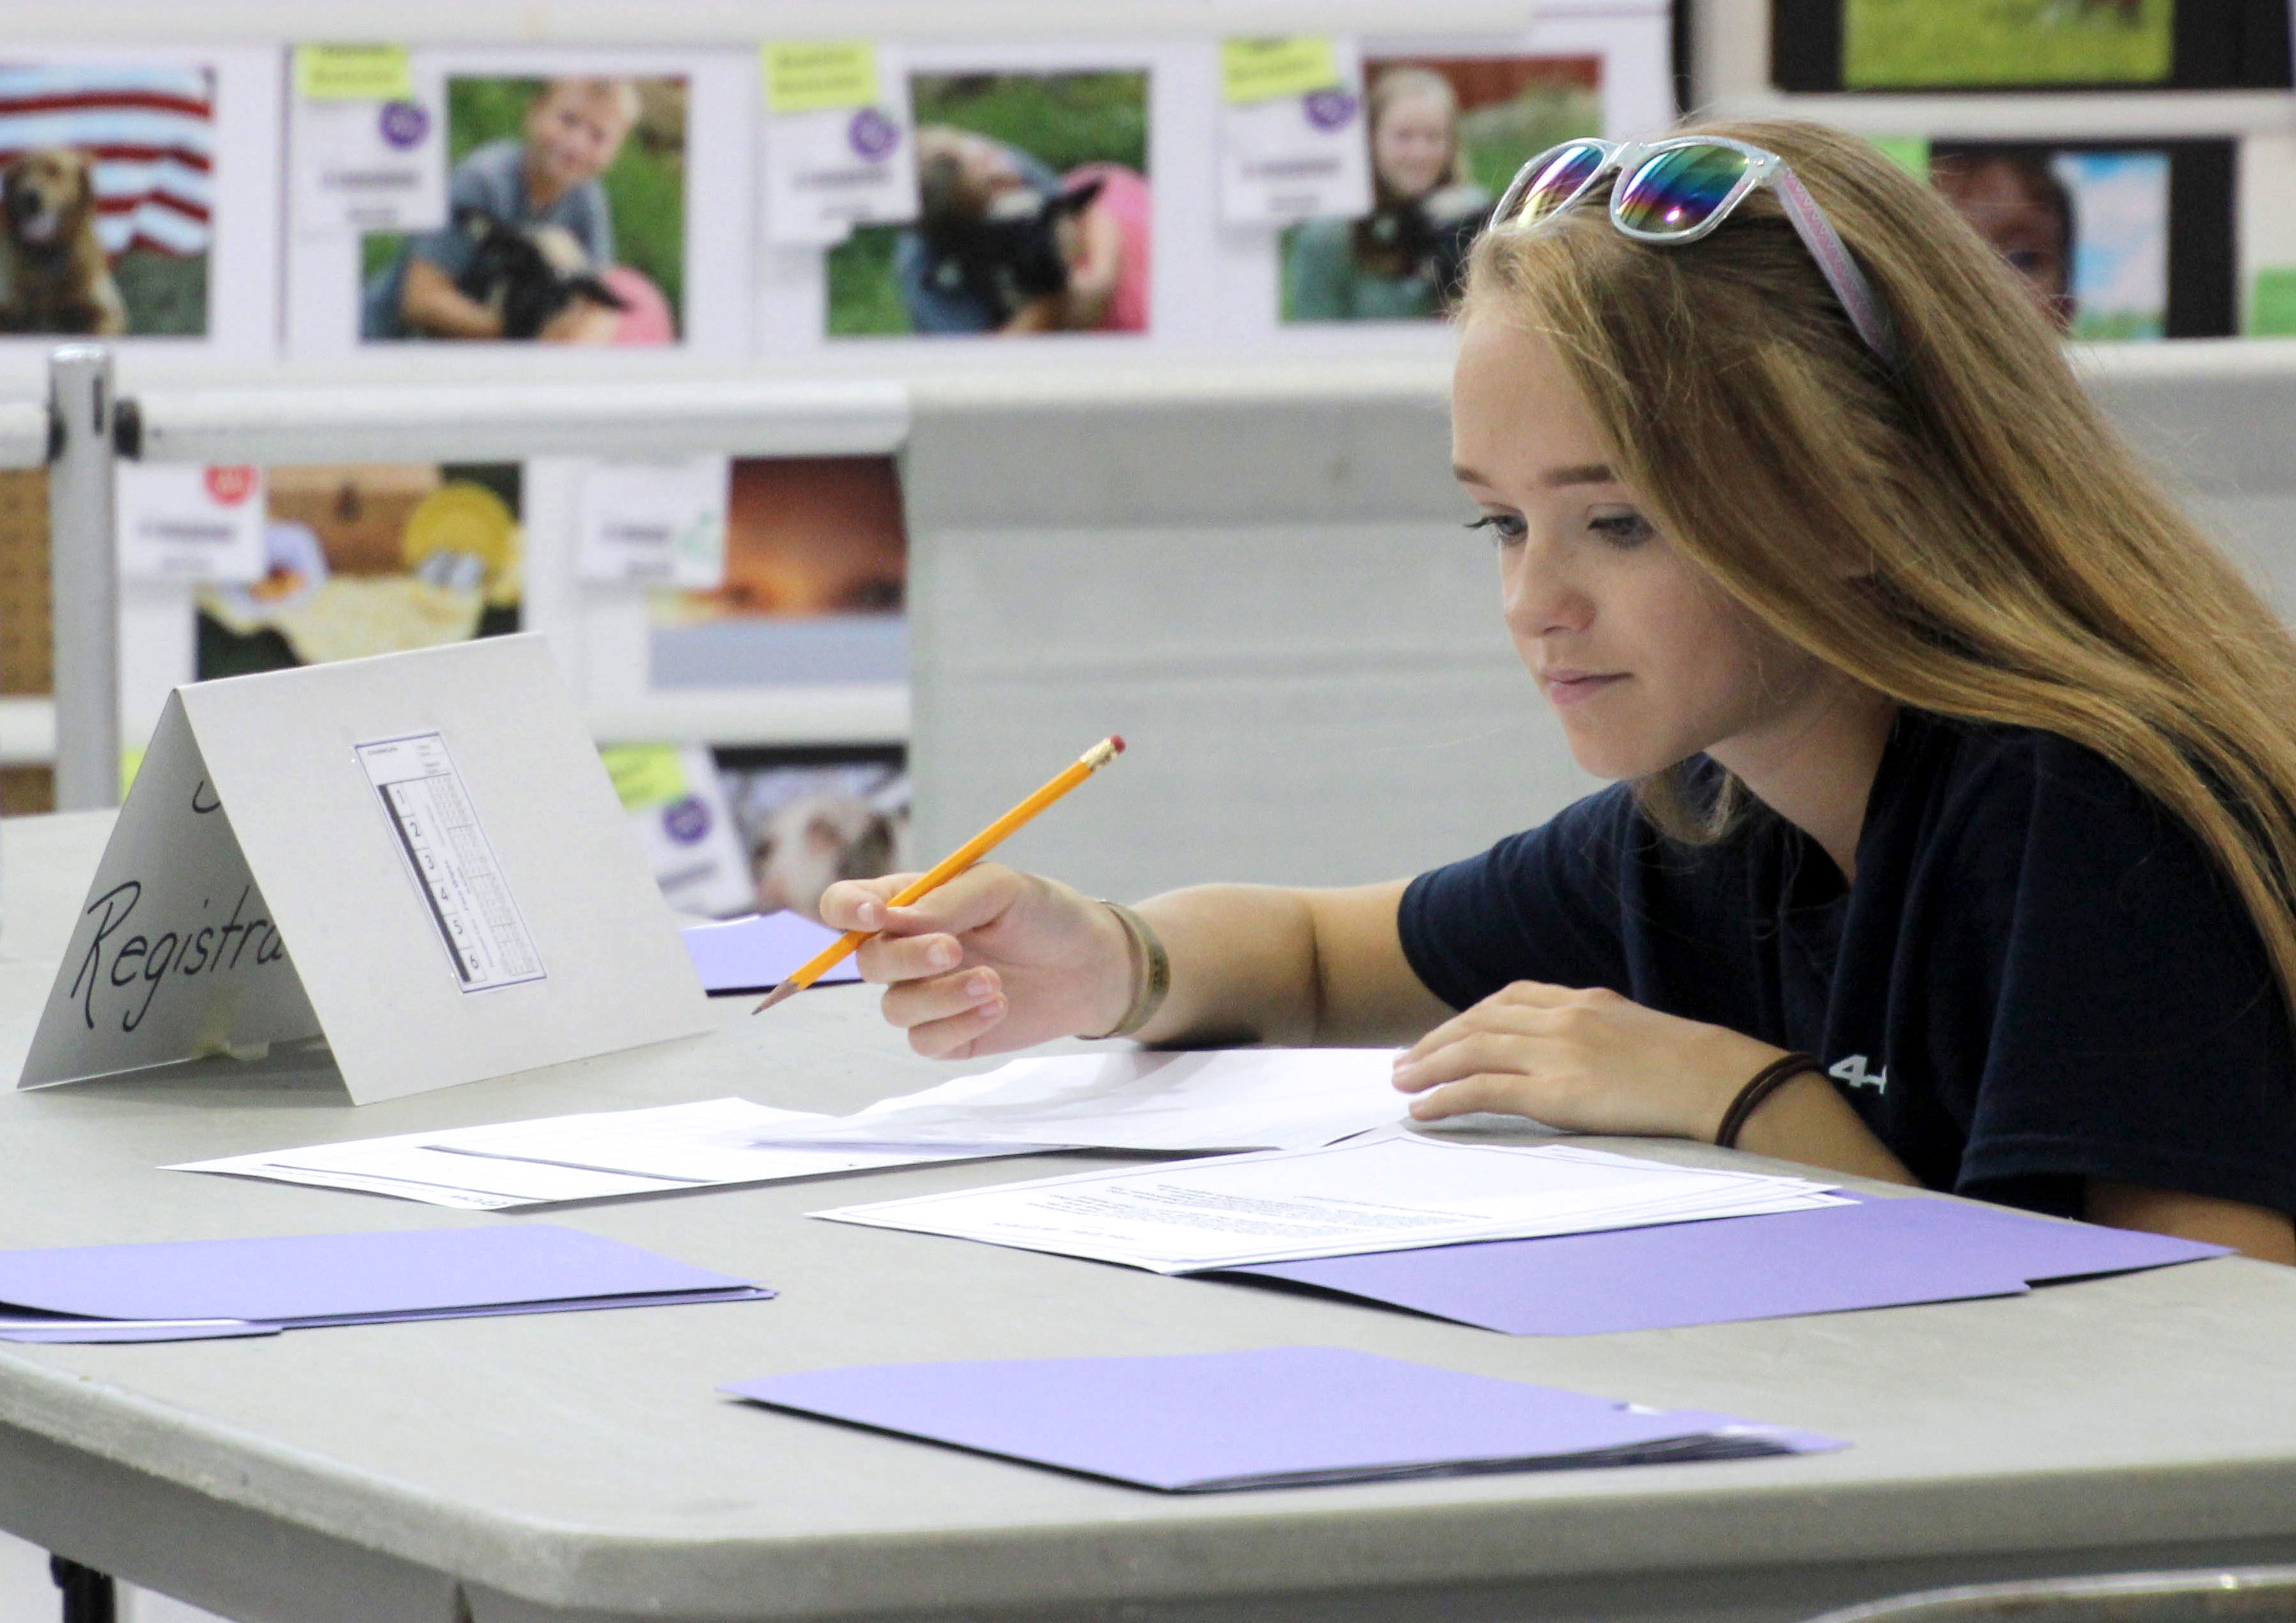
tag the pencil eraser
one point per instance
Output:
(1118, 740)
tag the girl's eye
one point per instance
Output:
(1505, 527)
(1622, 529)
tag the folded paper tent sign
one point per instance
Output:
(1272, 1417)
(417, 856)
(194, 1290)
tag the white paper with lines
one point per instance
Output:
(450, 862)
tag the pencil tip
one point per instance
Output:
(787, 988)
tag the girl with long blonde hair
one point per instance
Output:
(1953, 838)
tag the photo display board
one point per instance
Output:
(590, 198)
(2117, 240)
(142, 186)
(1110, 154)
(2044, 44)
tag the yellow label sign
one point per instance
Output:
(1261, 69)
(807, 76)
(645, 775)
(353, 73)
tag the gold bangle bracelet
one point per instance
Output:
(1152, 970)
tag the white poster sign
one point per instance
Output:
(654, 523)
(685, 824)
(183, 521)
(367, 149)
(416, 857)
(838, 140)
(1298, 155)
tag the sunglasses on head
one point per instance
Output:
(1680, 190)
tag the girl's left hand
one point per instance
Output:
(1590, 1060)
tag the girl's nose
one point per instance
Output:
(1539, 594)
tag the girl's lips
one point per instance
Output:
(1565, 688)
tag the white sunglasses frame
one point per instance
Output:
(1627, 158)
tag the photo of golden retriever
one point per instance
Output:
(54, 275)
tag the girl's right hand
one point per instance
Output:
(992, 961)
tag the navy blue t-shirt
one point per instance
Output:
(2038, 977)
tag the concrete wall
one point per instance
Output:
(1259, 579)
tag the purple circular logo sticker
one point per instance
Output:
(1330, 109)
(405, 124)
(872, 133)
(687, 821)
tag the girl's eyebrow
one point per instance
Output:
(1584, 474)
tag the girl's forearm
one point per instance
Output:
(1244, 966)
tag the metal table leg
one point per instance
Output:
(88, 1594)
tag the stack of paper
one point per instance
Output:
(1383, 1195)
(1228, 1099)
(759, 953)
(589, 1157)
(1865, 1254)
(1277, 1417)
(193, 1290)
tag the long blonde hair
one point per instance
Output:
(1959, 530)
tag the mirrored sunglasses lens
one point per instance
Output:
(1559, 182)
(1680, 191)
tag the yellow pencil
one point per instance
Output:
(950, 866)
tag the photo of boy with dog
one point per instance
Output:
(567, 223)
(106, 192)
(1446, 135)
(1035, 213)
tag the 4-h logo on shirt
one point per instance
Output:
(1853, 1071)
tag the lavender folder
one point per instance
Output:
(1277, 1417)
(759, 953)
(188, 1290)
(1872, 1254)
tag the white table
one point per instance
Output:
(582, 1466)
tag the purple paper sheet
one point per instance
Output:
(759, 953)
(213, 1330)
(1873, 1254)
(1272, 1417)
(302, 1278)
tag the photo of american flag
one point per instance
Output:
(150, 131)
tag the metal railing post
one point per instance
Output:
(83, 575)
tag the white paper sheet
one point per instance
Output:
(183, 521)
(360, 166)
(653, 523)
(1386, 1195)
(1227, 1099)
(590, 1157)
(1298, 157)
(827, 169)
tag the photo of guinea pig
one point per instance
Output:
(53, 275)
(810, 842)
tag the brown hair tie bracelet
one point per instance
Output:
(1764, 1082)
